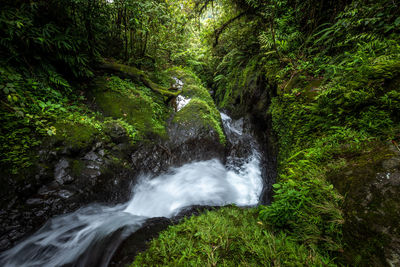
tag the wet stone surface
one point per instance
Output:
(371, 186)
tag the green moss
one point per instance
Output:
(198, 91)
(198, 113)
(140, 76)
(184, 74)
(228, 237)
(136, 105)
(236, 80)
(76, 135)
(201, 109)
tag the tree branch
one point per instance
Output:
(218, 31)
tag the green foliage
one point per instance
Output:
(30, 32)
(237, 79)
(307, 208)
(228, 237)
(32, 110)
(28, 108)
(360, 22)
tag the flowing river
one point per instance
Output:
(90, 235)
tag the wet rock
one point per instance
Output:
(185, 139)
(93, 157)
(117, 133)
(371, 184)
(34, 201)
(151, 159)
(391, 163)
(4, 244)
(39, 213)
(65, 194)
(102, 152)
(45, 191)
(137, 242)
(61, 174)
(14, 235)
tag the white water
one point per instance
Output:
(181, 102)
(89, 236)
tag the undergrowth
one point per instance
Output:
(35, 109)
(230, 236)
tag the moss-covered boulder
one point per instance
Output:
(201, 110)
(371, 183)
(137, 105)
(75, 136)
(197, 126)
(194, 132)
(198, 117)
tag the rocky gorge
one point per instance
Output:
(85, 168)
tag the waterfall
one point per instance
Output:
(90, 235)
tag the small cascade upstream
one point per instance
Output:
(90, 235)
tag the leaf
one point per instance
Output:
(42, 105)
(397, 21)
(276, 186)
(19, 24)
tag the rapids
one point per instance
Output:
(90, 235)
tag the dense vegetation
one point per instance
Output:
(49, 54)
(326, 74)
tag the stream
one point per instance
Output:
(90, 235)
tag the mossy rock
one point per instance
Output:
(371, 183)
(201, 111)
(194, 90)
(198, 115)
(139, 107)
(76, 136)
(187, 76)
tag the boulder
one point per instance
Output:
(371, 184)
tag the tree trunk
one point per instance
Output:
(126, 35)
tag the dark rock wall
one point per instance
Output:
(370, 183)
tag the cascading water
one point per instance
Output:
(90, 235)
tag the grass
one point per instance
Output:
(230, 236)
